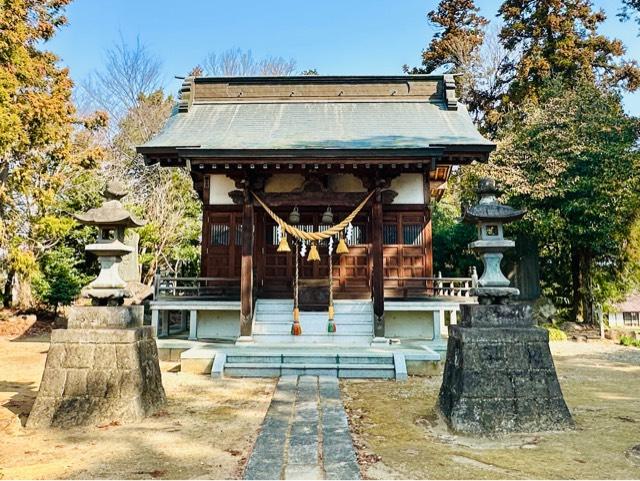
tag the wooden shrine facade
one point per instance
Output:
(314, 143)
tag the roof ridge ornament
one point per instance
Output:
(450, 91)
(186, 94)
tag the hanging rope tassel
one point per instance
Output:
(342, 246)
(296, 328)
(314, 256)
(283, 246)
(331, 325)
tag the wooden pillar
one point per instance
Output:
(377, 275)
(246, 268)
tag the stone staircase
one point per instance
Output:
(344, 365)
(273, 318)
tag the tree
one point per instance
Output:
(459, 37)
(235, 62)
(456, 44)
(570, 158)
(59, 281)
(128, 72)
(39, 158)
(630, 9)
(559, 39)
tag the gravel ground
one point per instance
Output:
(206, 430)
(601, 384)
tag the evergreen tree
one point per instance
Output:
(571, 160)
(455, 47)
(459, 36)
(559, 39)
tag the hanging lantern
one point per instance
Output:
(294, 216)
(283, 246)
(313, 253)
(327, 217)
(342, 246)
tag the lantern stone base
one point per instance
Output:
(98, 375)
(499, 376)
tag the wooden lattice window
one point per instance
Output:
(412, 234)
(220, 234)
(390, 234)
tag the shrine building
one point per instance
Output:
(276, 158)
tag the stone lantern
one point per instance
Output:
(490, 216)
(104, 367)
(498, 375)
(112, 219)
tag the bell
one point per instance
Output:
(294, 216)
(313, 253)
(283, 246)
(327, 217)
(342, 247)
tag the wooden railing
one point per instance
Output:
(431, 286)
(196, 288)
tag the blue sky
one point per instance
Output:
(335, 37)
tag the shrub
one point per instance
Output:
(555, 334)
(629, 341)
(59, 281)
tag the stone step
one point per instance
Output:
(311, 358)
(318, 339)
(370, 371)
(311, 328)
(342, 306)
(349, 318)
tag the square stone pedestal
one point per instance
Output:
(499, 375)
(103, 368)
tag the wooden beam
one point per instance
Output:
(246, 268)
(377, 275)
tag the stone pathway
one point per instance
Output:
(305, 434)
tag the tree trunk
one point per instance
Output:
(587, 291)
(6, 291)
(576, 284)
(582, 306)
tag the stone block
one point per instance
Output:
(127, 356)
(95, 336)
(104, 356)
(97, 381)
(75, 383)
(56, 354)
(500, 379)
(496, 315)
(53, 381)
(111, 317)
(94, 376)
(424, 368)
(196, 366)
(78, 356)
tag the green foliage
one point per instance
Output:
(459, 33)
(59, 281)
(555, 334)
(571, 161)
(451, 255)
(629, 341)
(559, 39)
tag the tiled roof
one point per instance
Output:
(318, 125)
(630, 304)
